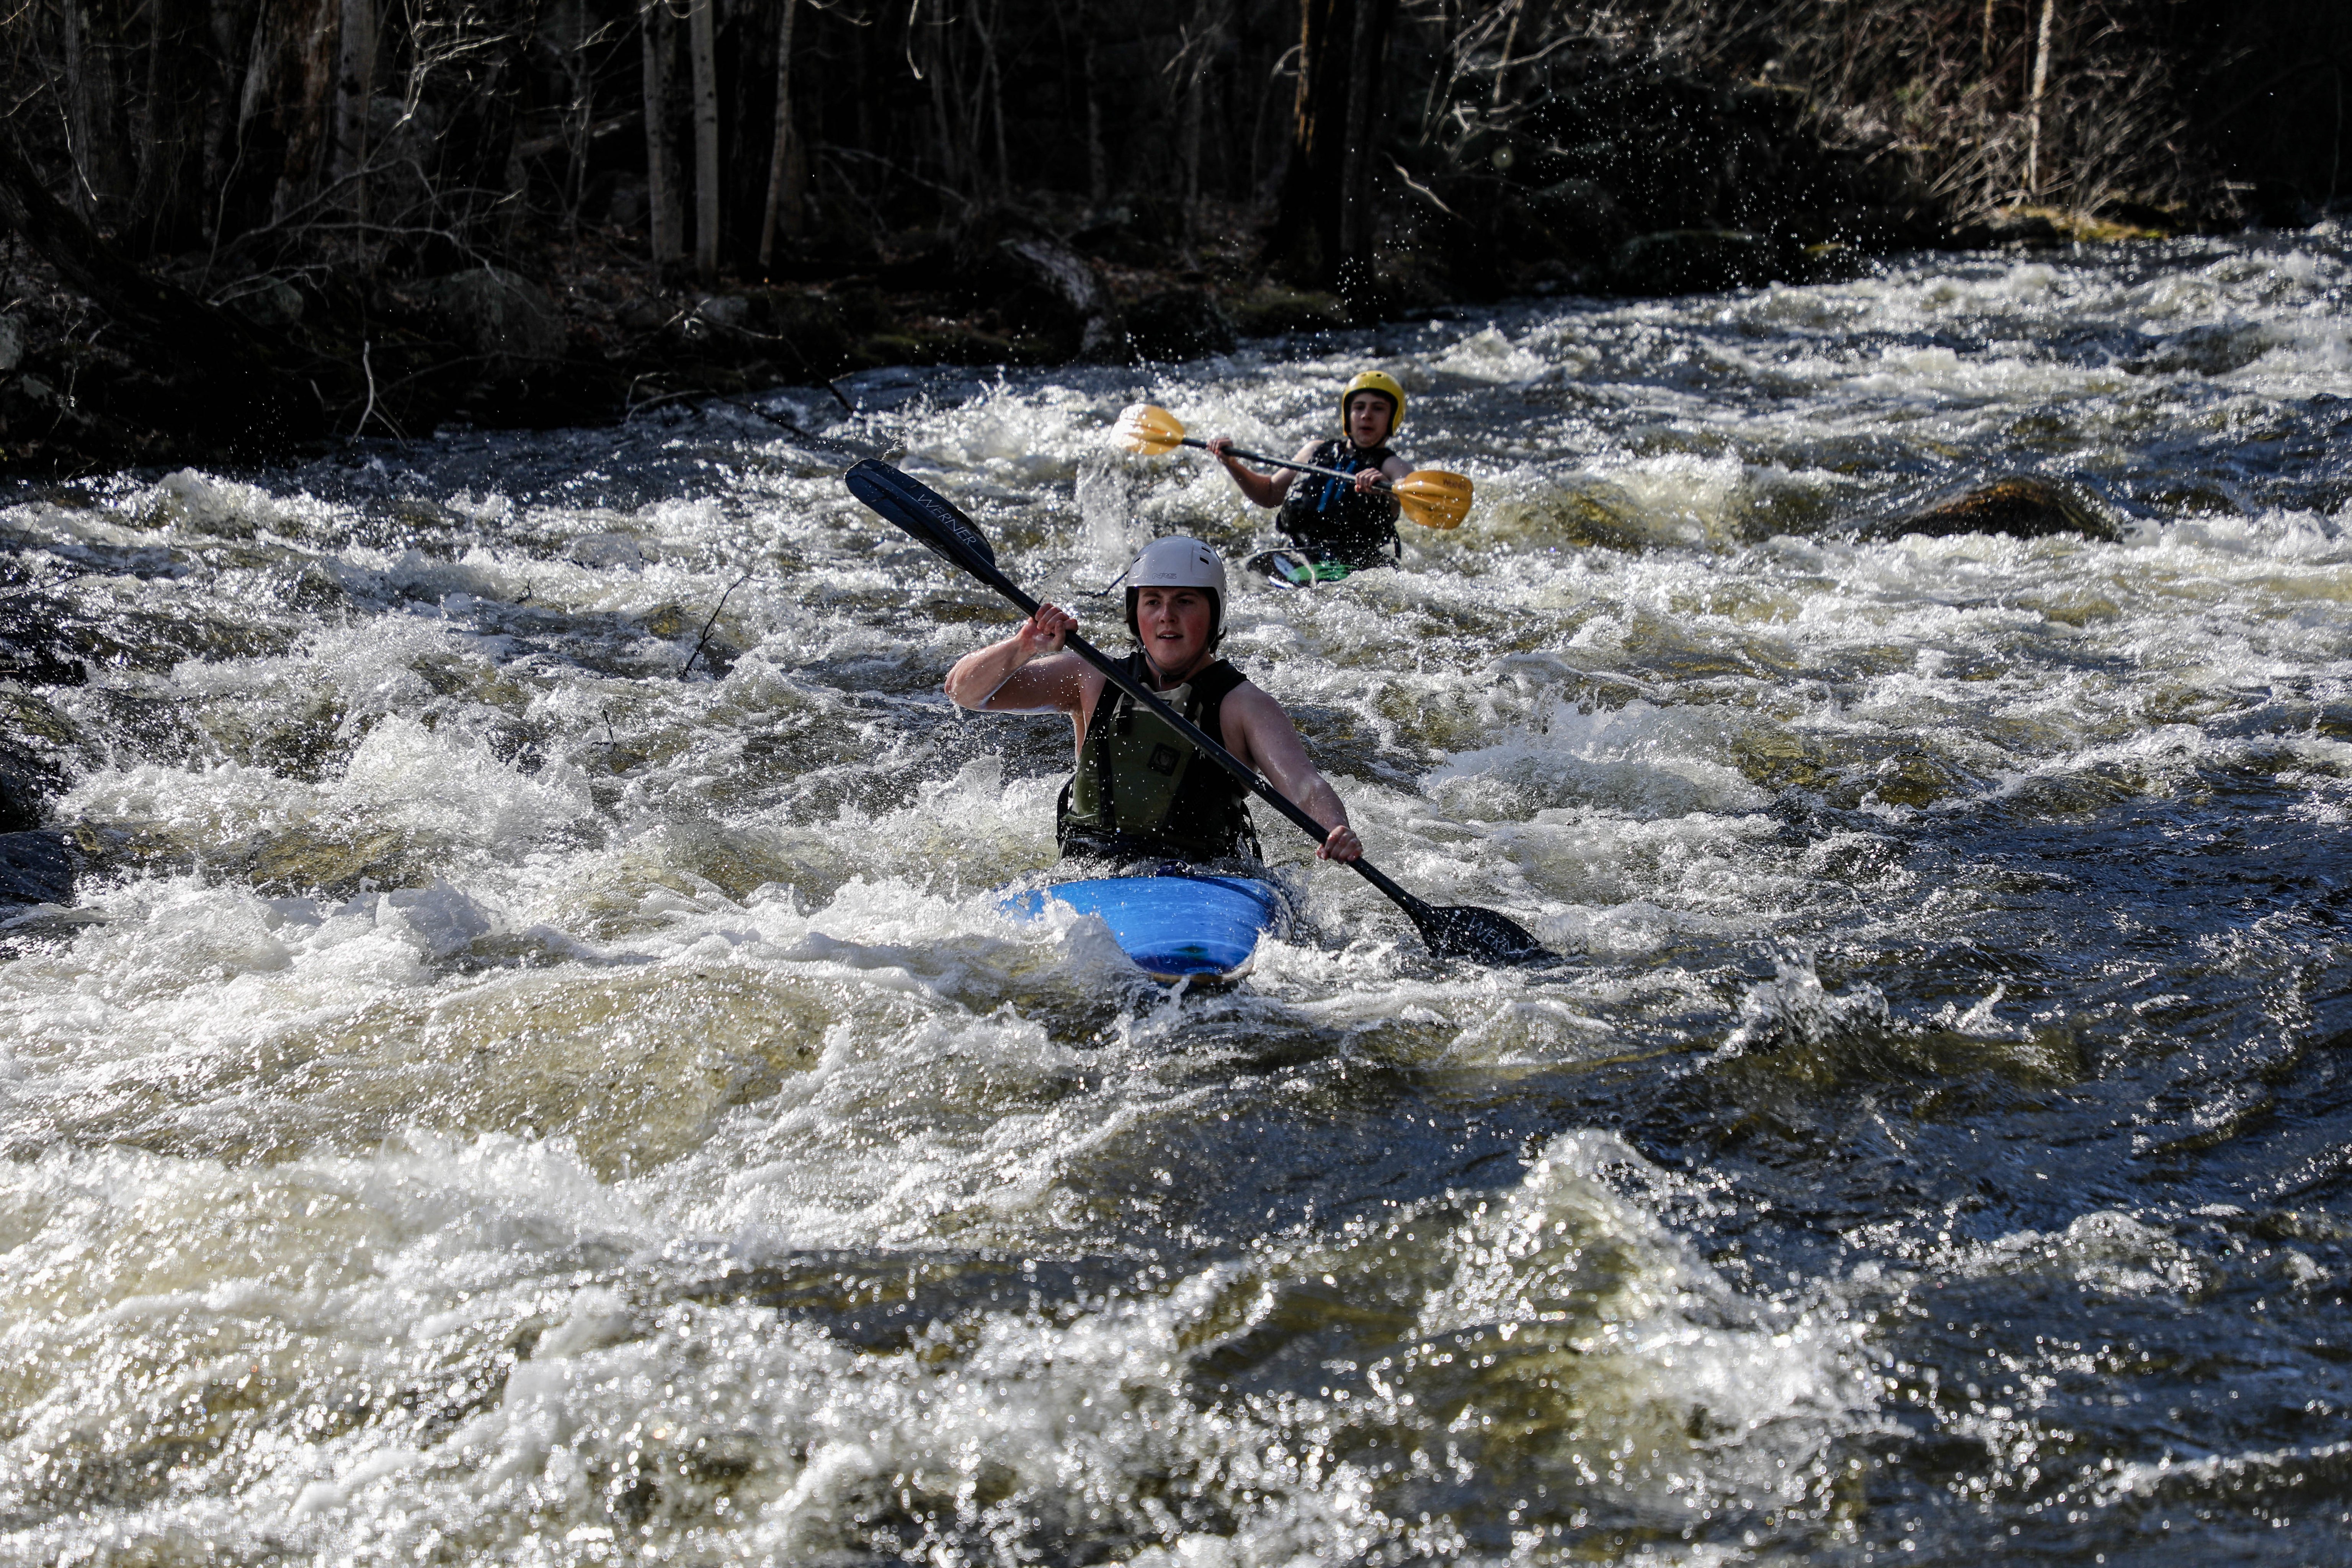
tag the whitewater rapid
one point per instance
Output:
(533, 1070)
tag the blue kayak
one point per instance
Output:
(1175, 927)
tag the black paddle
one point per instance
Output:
(1457, 930)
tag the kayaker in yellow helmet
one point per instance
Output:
(1339, 524)
(1141, 791)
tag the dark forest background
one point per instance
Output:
(239, 223)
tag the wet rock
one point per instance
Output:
(1036, 284)
(622, 200)
(35, 744)
(804, 331)
(2021, 506)
(2150, 221)
(1138, 232)
(2215, 350)
(605, 551)
(28, 402)
(648, 315)
(1830, 262)
(2005, 228)
(1579, 218)
(944, 345)
(336, 860)
(36, 867)
(37, 641)
(20, 799)
(724, 309)
(1864, 226)
(1696, 261)
(270, 302)
(12, 343)
(1273, 308)
(502, 316)
(1179, 323)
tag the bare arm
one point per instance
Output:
(1391, 472)
(1270, 743)
(1266, 489)
(1025, 673)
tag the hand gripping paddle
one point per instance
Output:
(1429, 497)
(1457, 930)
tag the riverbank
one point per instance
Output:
(588, 334)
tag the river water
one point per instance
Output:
(500, 1094)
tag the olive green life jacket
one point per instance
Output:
(1143, 792)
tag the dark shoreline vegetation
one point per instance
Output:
(235, 229)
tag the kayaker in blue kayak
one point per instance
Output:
(1346, 524)
(1141, 791)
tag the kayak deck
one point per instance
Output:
(1175, 927)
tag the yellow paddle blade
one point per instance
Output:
(1434, 498)
(1143, 428)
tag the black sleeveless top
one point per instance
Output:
(1332, 520)
(1143, 792)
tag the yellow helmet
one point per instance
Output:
(1382, 383)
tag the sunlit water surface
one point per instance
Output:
(501, 1095)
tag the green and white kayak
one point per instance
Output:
(1295, 568)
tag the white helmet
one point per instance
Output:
(1177, 562)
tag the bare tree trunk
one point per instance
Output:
(1098, 166)
(778, 160)
(1210, 17)
(221, 124)
(665, 222)
(96, 141)
(355, 90)
(1305, 242)
(2033, 105)
(167, 132)
(1366, 119)
(949, 141)
(79, 134)
(1188, 146)
(1323, 223)
(578, 110)
(702, 50)
(279, 149)
(996, 100)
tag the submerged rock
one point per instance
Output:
(1179, 323)
(1697, 261)
(2216, 348)
(36, 867)
(35, 741)
(2021, 506)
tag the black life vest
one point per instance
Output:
(1142, 792)
(1332, 519)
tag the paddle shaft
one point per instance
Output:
(1277, 462)
(1201, 738)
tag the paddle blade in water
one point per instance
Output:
(1461, 930)
(1434, 498)
(921, 511)
(1465, 931)
(1143, 428)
